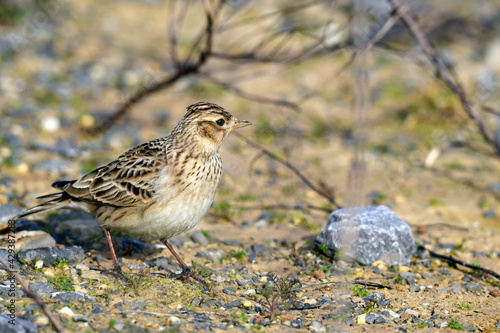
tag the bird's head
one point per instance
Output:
(209, 124)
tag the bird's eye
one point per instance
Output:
(220, 122)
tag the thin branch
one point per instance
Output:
(185, 69)
(27, 290)
(339, 283)
(251, 97)
(460, 262)
(290, 166)
(443, 74)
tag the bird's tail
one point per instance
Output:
(58, 200)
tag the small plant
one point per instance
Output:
(60, 263)
(455, 325)
(434, 202)
(238, 255)
(63, 283)
(276, 298)
(357, 291)
(112, 323)
(223, 209)
(464, 306)
(398, 280)
(200, 270)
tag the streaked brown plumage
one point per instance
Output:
(156, 190)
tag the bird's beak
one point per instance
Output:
(240, 123)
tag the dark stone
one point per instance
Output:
(490, 214)
(427, 275)
(297, 323)
(472, 287)
(52, 255)
(367, 234)
(135, 305)
(244, 282)
(400, 329)
(9, 211)
(96, 309)
(414, 288)
(370, 318)
(374, 297)
(384, 303)
(376, 270)
(299, 262)
(231, 242)
(6, 290)
(258, 249)
(71, 296)
(42, 288)
(444, 272)
(470, 328)
(379, 320)
(233, 304)
(198, 237)
(160, 263)
(229, 290)
(5, 255)
(81, 318)
(409, 277)
(21, 325)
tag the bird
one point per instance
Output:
(156, 190)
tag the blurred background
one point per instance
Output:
(344, 102)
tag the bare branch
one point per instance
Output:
(290, 166)
(27, 290)
(443, 74)
(460, 262)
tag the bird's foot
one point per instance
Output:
(118, 273)
(186, 273)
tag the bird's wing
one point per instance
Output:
(127, 181)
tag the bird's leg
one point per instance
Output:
(118, 269)
(186, 271)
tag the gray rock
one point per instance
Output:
(229, 290)
(6, 292)
(233, 304)
(472, 287)
(80, 231)
(20, 325)
(374, 297)
(409, 277)
(316, 326)
(370, 318)
(71, 296)
(456, 289)
(427, 275)
(414, 288)
(135, 305)
(470, 328)
(33, 239)
(7, 212)
(160, 263)
(297, 323)
(367, 234)
(198, 237)
(444, 272)
(51, 255)
(42, 288)
(81, 318)
(5, 255)
(442, 324)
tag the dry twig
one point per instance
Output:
(442, 73)
(294, 169)
(460, 262)
(53, 320)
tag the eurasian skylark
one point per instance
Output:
(156, 190)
